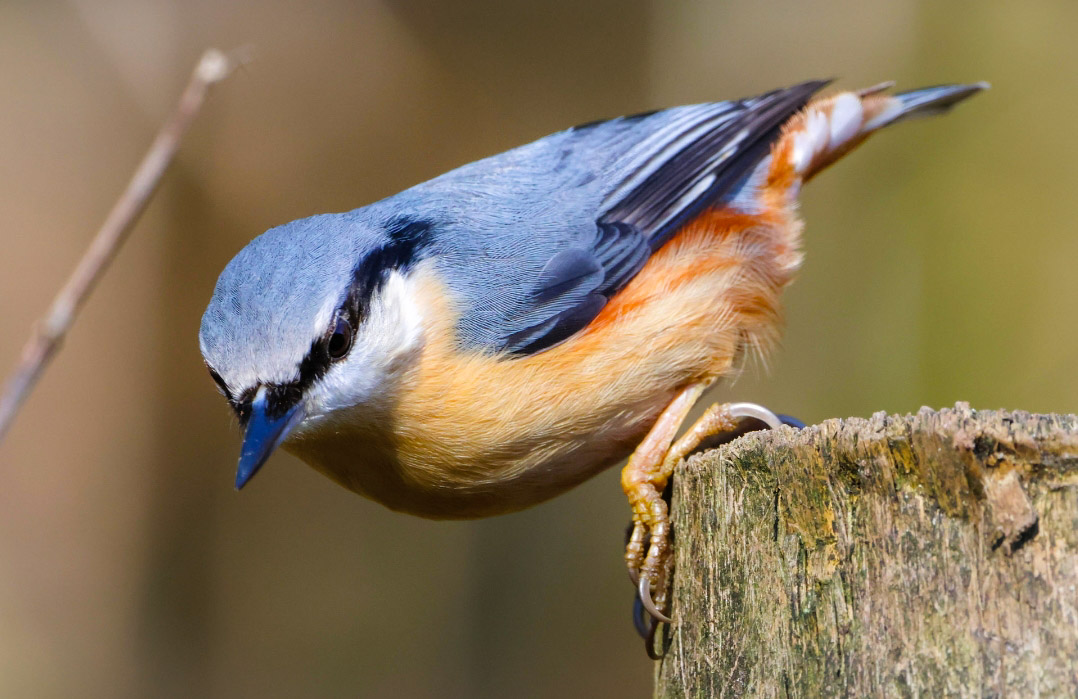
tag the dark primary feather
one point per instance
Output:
(669, 188)
(729, 147)
(533, 242)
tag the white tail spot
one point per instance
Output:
(846, 119)
(810, 141)
(825, 128)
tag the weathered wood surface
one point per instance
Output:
(927, 555)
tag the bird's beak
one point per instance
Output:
(263, 435)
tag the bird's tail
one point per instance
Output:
(830, 126)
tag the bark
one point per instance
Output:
(926, 555)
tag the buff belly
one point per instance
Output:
(472, 435)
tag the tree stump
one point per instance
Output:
(927, 555)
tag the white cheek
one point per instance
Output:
(387, 343)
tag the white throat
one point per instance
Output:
(388, 341)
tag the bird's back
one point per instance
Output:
(534, 242)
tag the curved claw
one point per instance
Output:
(647, 627)
(755, 411)
(790, 421)
(649, 640)
(644, 590)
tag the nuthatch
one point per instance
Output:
(486, 340)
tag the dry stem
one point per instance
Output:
(49, 332)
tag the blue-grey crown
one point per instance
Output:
(272, 298)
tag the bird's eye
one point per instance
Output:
(341, 339)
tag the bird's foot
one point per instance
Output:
(648, 552)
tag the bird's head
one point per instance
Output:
(311, 319)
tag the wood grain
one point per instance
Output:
(933, 554)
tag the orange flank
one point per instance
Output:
(471, 433)
(478, 434)
(700, 249)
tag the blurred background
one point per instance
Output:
(940, 267)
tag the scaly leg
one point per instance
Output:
(646, 475)
(643, 481)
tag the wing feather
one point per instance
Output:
(702, 162)
(536, 240)
(682, 168)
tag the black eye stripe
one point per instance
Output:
(240, 404)
(220, 382)
(408, 238)
(243, 411)
(282, 397)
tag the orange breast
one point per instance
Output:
(471, 434)
(474, 434)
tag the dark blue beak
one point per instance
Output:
(263, 435)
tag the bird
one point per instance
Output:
(488, 339)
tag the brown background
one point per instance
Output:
(940, 267)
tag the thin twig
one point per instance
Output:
(49, 333)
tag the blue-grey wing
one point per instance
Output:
(575, 284)
(537, 239)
